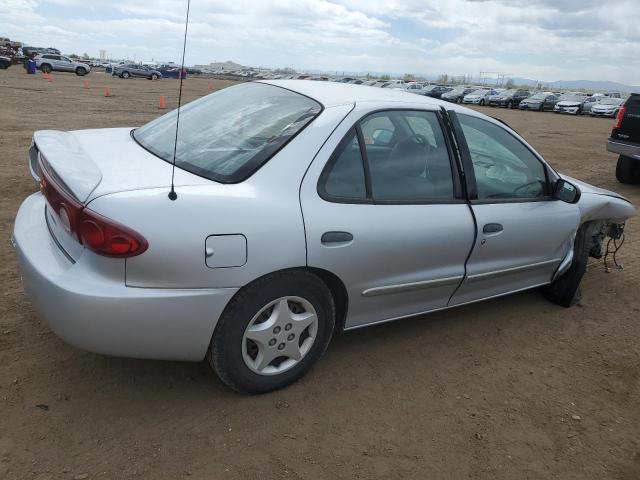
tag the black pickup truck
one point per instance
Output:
(625, 141)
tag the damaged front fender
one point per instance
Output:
(600, 204)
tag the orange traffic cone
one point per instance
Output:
(47, 76)
(85, 83)
(211, 87)
(107, 92)
(161, 104)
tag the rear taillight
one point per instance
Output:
(96, 232)
(620, 116)
(109, 238)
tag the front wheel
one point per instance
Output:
(46, 68)
(565, 290)
(81, 72)
(459, 100)
(125, 75)
(509, 105)
(154, 76)
(628, 170)
(273, 331)
(482, 102)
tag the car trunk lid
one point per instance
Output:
(91, 163)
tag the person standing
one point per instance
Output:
(31, 64)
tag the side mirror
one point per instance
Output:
(566, 191)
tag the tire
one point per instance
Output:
(154, 76)
(230, 350)
(541, 108)
(459, 100)
(481, 103)
(565, 291)
(81, 72)
(628, 170)
(45, 67)
(125, 74)
(509, 105)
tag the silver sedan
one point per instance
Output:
(299, 209)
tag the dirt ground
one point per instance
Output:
(514, 388)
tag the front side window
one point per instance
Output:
(228, 134)
(503, 166)
(406, 159)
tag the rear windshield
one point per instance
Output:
(229, 134)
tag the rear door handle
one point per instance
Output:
(492, 228)
(336, 237)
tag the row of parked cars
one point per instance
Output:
(573, 103)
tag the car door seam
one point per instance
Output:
(304, 176)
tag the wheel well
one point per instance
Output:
(339, 292)
(335, 285)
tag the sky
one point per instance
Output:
(543, 40)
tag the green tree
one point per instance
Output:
(510, 84)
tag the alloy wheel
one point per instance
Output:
(279, 336)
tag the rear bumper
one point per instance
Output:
(87, 304)
(631, 150)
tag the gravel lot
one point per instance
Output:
(512, 388)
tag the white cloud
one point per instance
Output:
(542, 39)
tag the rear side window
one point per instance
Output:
(345, 179)
(229, 134)
(400, 155)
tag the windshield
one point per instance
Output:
(482, 91)
(571, 97)
(611, 101)
(539, 96)
(507, 93)
(229, 134)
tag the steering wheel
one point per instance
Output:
(528, 185)
(420, 139)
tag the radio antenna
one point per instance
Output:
(172, 194)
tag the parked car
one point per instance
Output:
(479, 96)
(625, 141)
(50, 62)
(571, 103)
(5, 62)
(457, 94)
(540, 101)
(129, 70)
(510, 98)
(414, 87)
(435, 91)
(280, 235)
(607, 107)
(590, 102)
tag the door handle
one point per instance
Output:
(336, 237)
(492, 228)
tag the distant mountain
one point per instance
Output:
(591, 85)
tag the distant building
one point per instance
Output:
(216, 66)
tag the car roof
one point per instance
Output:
(333, 93)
